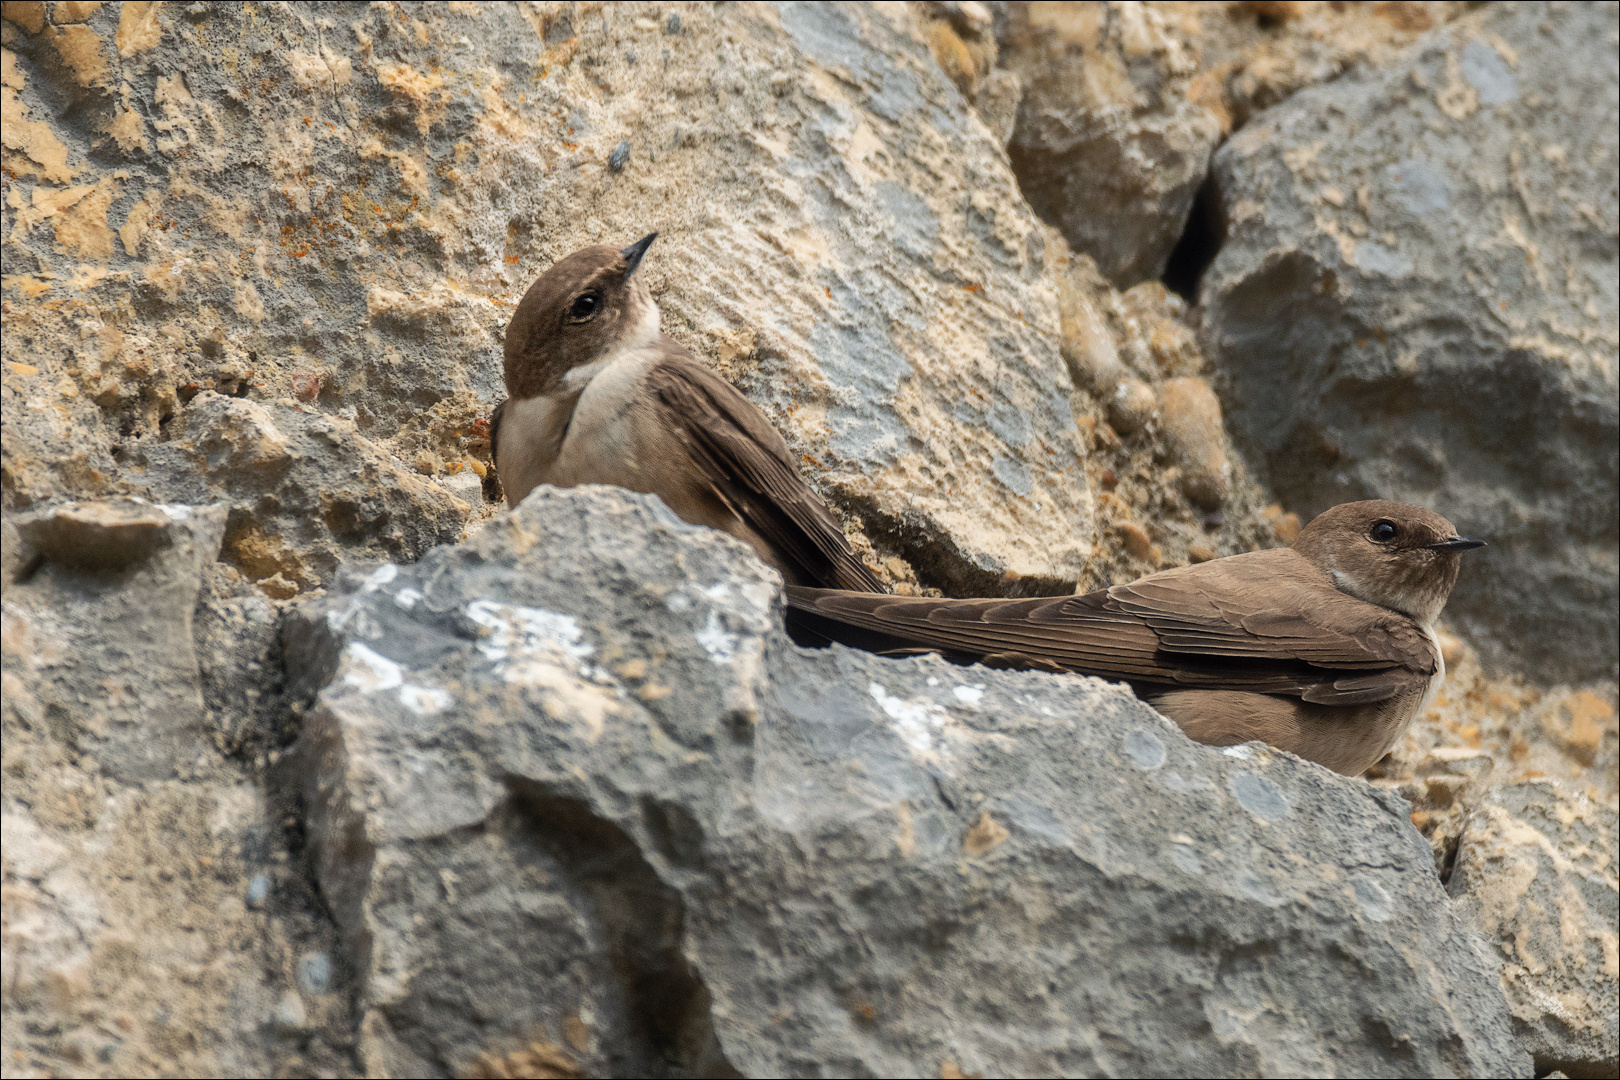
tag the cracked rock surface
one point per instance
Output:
(575, 767)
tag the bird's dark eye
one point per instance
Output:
(1383, 532)
(583, 307)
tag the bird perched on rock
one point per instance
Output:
(1326, 648)
(598, 395)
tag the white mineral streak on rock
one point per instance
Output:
(545, 651)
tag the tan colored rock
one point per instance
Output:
(1108, 147)
(306, 490)
(1536, 869)
(344, 216)
(1190, 416)
(95, 536)
(1125, 350)
(1122, 102)
(1131, 406)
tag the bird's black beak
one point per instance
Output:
(633, 253)
(1456, 543)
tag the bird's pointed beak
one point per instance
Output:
(633, 253)
(1455, 543)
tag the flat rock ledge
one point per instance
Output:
(575, 799)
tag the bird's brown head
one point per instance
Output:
(588, 306)
(1387, 553)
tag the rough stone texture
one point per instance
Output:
(1108, 147)
(339, 208)
(1536, 869)
(258, 259)
(960, 36)
(1170, 488)
(823, 862)
(104, 596)
(1484, 729)
(1417, 300)
(1255, 55)
(304, 489)
(1122, 103)
(154, 924)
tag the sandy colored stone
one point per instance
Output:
(1190, 416)
(838, 232)
(1142, 340)
(1536, 870)
(305, 488)
(1108, 146)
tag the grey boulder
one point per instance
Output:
(1416, 300)
(574, 797)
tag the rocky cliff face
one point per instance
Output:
(319, 762)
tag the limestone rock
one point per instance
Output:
(1255, 55)
(1536, 869)
(1416, 300)
(1108, 146)
(1170, 487)
(341, 212)
(520, 767)
(303, 487)
(103, 597)
(128, 843)
(1191, 416)
(1121, 103)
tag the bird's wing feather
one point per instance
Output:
(1204, 630)
(1273, 605)
(749, 468)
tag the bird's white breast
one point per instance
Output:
(1438, 678)
(582, 433)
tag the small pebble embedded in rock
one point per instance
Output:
(620, 155)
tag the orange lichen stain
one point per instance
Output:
(30, 285)
(138, 27)
(75, 11)
(80, 50)
(82, 228)
(985, 835)
(511, 258)
(33, 139)
(973, 288)
(127, 130)
(415, 87)
(541, 1058)
(1579, 723)
(28, 14)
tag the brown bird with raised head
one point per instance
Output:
(1326, 649)
(598, 395)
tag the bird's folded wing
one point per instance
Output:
(750, 469)
(1272, 605)
(1160, 634)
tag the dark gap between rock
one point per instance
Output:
(1201, 239)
